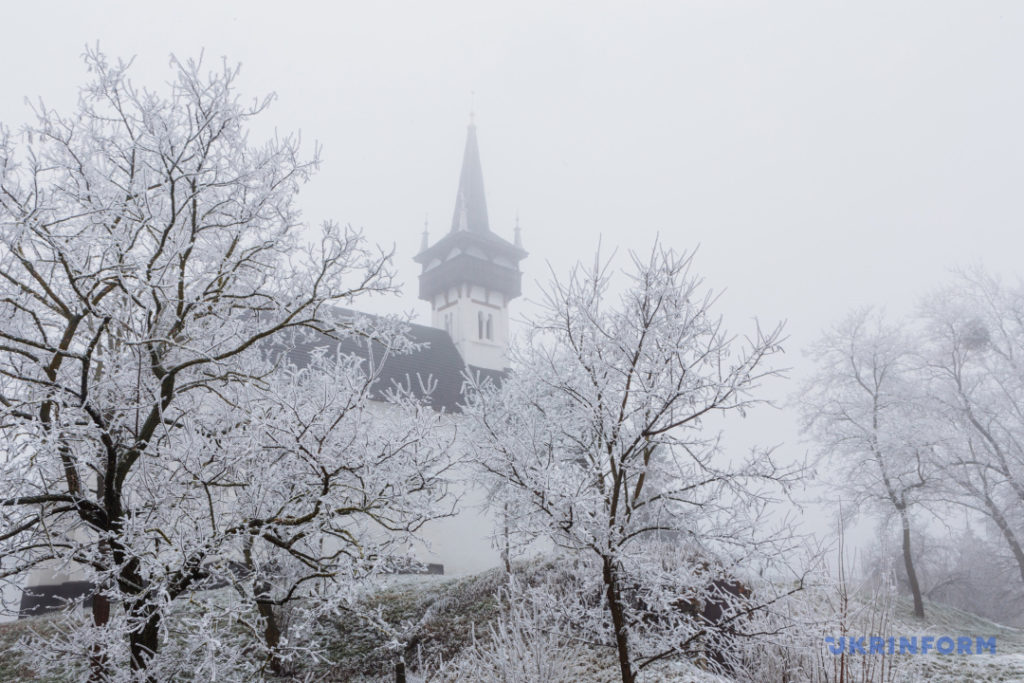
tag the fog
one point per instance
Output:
(822, 155)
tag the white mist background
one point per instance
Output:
(823, 155)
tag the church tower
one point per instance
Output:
(471, 274)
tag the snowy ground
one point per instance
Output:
(1006, 665)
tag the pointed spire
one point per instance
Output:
(519, 233)
(425, 241)
(470, 203)
(461, 221)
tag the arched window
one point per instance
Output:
(490, 326)
(480, 325)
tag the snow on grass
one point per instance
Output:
(1007, 664)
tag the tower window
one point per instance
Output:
(480, 325)
(490, 326)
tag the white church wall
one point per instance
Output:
(461, 541)
(466, 319)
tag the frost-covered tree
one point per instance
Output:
(603, 440)
(864, 409)
(972, 338)
(157, 437)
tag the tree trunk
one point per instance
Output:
(271, 629)
(618, 611)
(1004, 527)
(908, 562)
(100, 609)
(271, 634)
(98, 658)
(145, 642)
(506, 551)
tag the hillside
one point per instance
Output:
(441, 619)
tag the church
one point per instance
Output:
(469, 277)
(471, 274)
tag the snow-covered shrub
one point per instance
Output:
(530, 641)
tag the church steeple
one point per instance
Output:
(470, 275)
(470, 201)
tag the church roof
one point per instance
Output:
(435, 371)
(488, 241)
(470, 225)
(470, 201)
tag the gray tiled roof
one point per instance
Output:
(435, 370)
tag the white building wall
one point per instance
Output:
(477, 320)
(461, 542)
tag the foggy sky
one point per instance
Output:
(824, 155)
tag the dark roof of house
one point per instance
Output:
(435, 371)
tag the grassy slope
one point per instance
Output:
(439, 617)
(444, 613)
(11, 669)
(940, 620)
(11, 634)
